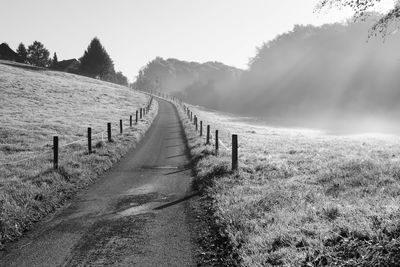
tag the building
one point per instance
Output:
(6, 53)
(70, 65)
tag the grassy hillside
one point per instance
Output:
(301, 197)
(35, 106)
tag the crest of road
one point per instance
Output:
(134, 215)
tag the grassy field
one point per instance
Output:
(35, 106)
(301, 197)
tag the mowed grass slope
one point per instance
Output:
(301, 197)
(37, 105)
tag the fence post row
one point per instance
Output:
(208, 134)
(89, 135)
(189, 113)
(109, 131)
(235, 163)
(216, 142)
(234, 152)
(55, 152)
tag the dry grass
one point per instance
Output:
(37, 104)
(302, 197)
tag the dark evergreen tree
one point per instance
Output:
(22, 53)
(55, 59)
(96, 62)
(38, 55)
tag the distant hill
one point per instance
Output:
(331, 77)
(201, 84)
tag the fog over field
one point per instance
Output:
(332, 77)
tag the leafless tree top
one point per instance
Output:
(385, 24)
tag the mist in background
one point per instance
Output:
(204, 84)
(331, 77)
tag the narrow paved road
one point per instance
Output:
(135, 215)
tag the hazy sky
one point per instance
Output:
(136, 31)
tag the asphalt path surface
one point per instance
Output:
(134, 215)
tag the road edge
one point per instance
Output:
(40, 207)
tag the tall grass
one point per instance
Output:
(35, 105)
(302, 197)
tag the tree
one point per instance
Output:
(22, 53)
(38, 55)
(361, 9)
(96, 62)
(55, 59)
(121, 79)
(53, 62)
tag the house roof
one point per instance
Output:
(65, 64)
(7, 53)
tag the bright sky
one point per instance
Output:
(136, 31)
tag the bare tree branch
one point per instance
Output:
(385, 24)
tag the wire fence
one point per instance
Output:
(205, 128)
(100, 136)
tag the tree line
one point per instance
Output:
(95, 61)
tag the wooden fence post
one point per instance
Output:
(216, 142)
(55, 152)
(208, 134)
(109, 131)
(196, 123)
(89, 137)
(130, 120)
(141, 115)
(201, 128)
(234, 152)
(120, 126)
(137, 114)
